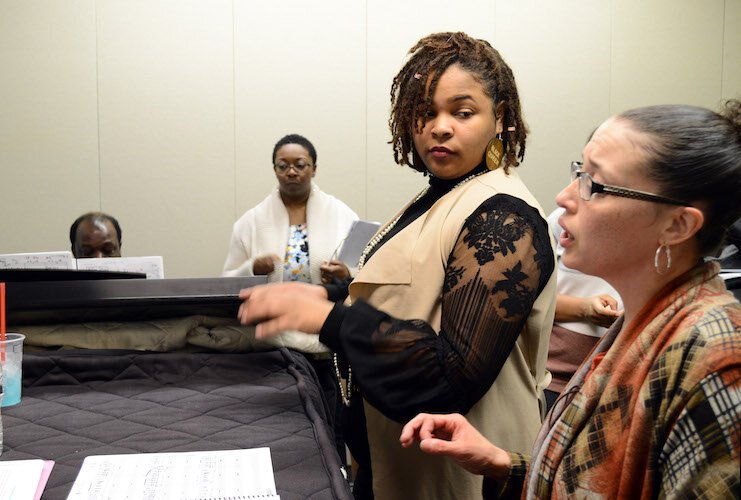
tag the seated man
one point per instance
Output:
(95, 235)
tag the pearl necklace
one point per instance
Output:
(345, 389)
(383, 232)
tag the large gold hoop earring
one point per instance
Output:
(657, 259)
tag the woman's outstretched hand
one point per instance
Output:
(278, 307)
(452, 435)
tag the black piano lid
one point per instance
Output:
(86, 300)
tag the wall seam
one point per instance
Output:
(97, 106)
(723, 52)
(365, 121)
(234, 109)
(610, 111)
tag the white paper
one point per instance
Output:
(356, 240)
(188, 475)
(19, 479)
(38, 260)
(151, 266)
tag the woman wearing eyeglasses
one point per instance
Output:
(296, 229)
(654, 411)
(291, 236)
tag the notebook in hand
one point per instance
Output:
(357, 238)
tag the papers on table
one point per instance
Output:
(152, 266)
(24, 479)
(198, 475)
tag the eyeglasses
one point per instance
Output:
(298, 166)
(588, 187)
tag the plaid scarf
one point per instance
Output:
(658, 415)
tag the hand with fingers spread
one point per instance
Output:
(275, 308)
(452, 435)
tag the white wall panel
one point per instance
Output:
(732, 50)
(666, 51)
(48, 122)
(563, 79)
(300, 68)
(167, 128)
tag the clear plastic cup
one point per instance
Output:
(11, 368)
(1, 417)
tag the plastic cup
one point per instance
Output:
(11, 367)
(1, 424)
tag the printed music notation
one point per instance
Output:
(244, 474)
(151, 266)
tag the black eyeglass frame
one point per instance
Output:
(597, 187)
(283, 168)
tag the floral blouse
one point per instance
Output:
(296, 264)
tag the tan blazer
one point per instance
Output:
(404, 278)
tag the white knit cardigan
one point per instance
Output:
(264, 230)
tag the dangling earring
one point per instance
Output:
(657, 258)
(494, 152)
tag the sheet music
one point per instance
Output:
(38, 260)
(196, 475)
(152, 266)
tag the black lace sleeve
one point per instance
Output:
(337, 291)
(500, 263)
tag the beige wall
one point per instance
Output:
(164, 113)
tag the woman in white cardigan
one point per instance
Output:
(292, 234)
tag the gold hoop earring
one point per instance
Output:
(657, 259)
(494, 152)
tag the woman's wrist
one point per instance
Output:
(500, 464)
(329, 334)
(585, 307)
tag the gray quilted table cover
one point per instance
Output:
(97, 402)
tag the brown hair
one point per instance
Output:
(430, 57)
(694, 154)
